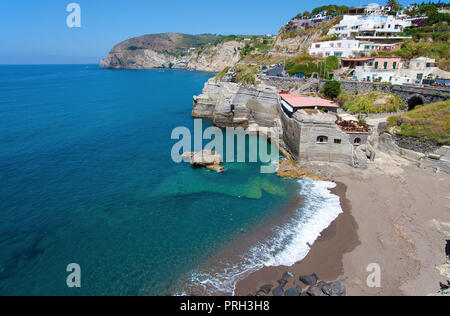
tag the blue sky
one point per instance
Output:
(35, 32)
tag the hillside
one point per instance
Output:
(172, 50)
(428, 123)
(293, 38)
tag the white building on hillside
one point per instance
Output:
(422, 68)
(370, 26)
(376, 9)
(346, 48)
(340, 48)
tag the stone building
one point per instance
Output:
(316, 136)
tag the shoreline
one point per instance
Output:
(396, 216)
(324, 258)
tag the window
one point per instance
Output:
(337, 141)
(322, 140)
(317, 45)
(376, 65)
(385, 64)
(428, 65)
(357, 141)
(394, 66)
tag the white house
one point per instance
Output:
(339, 48)
(376, 9)
(346, 48)
(422, 68)
(370, 26)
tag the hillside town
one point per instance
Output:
(364, 40)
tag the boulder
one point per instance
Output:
(278, 291)
(282, 282)
(297, 291)
(205, 159)
(309, 279)
(287, 275)
(266, 288)
(315, 290)
(334, 289)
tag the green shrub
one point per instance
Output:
(332, 89)
(367, 103)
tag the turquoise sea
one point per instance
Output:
(87, 177)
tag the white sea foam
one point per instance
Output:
(288, 245)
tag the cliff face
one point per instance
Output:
(229, 104)
(295, 44)
(302, 39)
(173, 51)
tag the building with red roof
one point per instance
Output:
(292, 103)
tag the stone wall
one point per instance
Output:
(427, 94)
(301, 85)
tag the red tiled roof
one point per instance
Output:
(358, 59)
(298, 101)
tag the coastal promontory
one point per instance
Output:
(210, 53)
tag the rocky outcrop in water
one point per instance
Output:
(205, 159)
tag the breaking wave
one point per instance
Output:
(289, 243)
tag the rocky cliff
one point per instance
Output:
(230, 104)
(181, 51)
(301, 39)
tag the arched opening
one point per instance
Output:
(357, 141)
(413, 102)
(322, 139)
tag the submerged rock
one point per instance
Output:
(205, 159)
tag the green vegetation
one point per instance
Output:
(304, 63)
(220, 76)
(256, 45)
(331, 9)
(430, 122)
(371, 102)
(245, 74)
(332, 89)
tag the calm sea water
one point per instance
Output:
(86, 177)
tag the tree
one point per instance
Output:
(394, 4)
(332, 89)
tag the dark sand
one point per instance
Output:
(324, 259)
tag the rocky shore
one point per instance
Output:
(311, 287)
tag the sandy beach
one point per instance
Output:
(394, 215)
